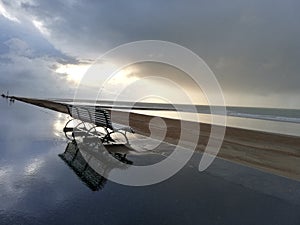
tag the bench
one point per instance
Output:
(95, 117)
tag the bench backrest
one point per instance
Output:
(91, 114)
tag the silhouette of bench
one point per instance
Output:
(96, 117)
(79, 156)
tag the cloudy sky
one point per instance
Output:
(253, 47)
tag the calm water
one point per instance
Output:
(38, 187)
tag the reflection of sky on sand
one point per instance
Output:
(36, 187)
(33, 166)
(27, 144)
(59, 124)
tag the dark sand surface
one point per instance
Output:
(275, 153)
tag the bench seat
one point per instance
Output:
(98, 117)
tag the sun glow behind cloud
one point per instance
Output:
(149, 80)
(74, 72)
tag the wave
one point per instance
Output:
(265, 117)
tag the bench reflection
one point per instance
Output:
(92, 161)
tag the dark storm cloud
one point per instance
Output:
(253, 47)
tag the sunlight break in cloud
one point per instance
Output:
(7, 15)
(74, 72)
(40, 26)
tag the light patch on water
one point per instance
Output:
(5, 171)
(59, 124)
(33, 166)
(10, 190)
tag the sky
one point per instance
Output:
(252, 47)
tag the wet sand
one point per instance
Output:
(37, 187)
(274, 153)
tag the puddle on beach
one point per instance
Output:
(40, 185)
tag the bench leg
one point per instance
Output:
(107, 138)
(67, 130)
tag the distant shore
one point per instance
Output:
(274, 153)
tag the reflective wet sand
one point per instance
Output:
(38, 187)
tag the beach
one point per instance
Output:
(39, 187)
(269, 152)
(275, 153)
